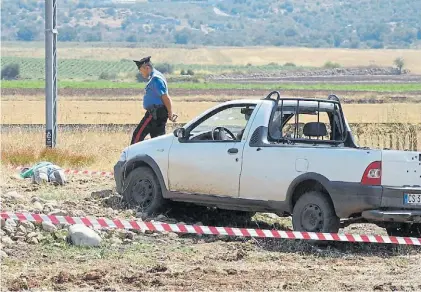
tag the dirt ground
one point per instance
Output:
(128, 260)
(211, 95)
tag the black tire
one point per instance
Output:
(314, 212)
(416, 230)
(143, 191)
(404, 230)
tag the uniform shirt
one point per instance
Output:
(155, 88)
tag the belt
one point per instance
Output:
(153, 109)
(154, 106)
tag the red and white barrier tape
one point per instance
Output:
(82, 172)
(100, 223)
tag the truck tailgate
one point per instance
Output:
(401, 168)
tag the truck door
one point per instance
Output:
(209, 161)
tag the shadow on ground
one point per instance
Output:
(199, 215)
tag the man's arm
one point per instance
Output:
(166, 99)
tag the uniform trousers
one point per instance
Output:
(153, 122)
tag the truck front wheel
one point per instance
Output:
(143, 191)
(314, 212)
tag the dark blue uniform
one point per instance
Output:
(156, 115)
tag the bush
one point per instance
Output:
(107, 76)
(189, 72)
(331, 65)
(10, 71)
(164, 68)
(399, 63)
(289, 64)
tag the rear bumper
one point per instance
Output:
(375, 203)
(394, 207)
(393, 197)
(399, 216)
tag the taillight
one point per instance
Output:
(373, 174)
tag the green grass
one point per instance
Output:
(388, 87)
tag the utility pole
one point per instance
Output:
(50, 72)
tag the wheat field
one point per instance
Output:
(99, 149)
(131, 111)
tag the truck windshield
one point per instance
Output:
(233, 118)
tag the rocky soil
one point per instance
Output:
(39, 256)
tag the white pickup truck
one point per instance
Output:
(289, 156)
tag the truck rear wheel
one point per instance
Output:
(143, 191)
(314, 212)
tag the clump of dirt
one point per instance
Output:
(94, 275)
(158, 269)
(24, 282)
(63, 277)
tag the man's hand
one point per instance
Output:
(172, 117)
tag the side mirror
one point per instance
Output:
(179, 132)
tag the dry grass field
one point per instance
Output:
(131, 111)
(85, 149)
(232, 56)
(97, 149)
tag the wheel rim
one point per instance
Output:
(143, 193)
(312, 218)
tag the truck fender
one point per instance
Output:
(146, 160)
(311, 178)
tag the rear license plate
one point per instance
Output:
(412, 199)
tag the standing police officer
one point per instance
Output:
(156, 102)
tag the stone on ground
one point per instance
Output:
(82, 235)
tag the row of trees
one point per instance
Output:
(287, 37)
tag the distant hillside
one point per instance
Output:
(305, 23)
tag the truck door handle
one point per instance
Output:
(233, 150)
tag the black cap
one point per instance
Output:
(142, 61)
